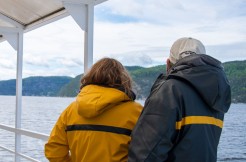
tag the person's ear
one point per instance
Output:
(168, 67)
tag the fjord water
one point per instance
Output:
(39, 114)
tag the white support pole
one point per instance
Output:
(15, 38)
(88, 42)
(18, 94)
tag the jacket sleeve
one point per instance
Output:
(57, 149)
(155, 131)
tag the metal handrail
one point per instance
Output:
(19, 154)
(26, 133)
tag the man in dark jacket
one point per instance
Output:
(183, 116)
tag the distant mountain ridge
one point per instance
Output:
(143, 79)
(35, 86)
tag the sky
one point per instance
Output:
(136, 32)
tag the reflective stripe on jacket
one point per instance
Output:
(95, 128)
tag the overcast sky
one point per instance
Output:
(136, 32)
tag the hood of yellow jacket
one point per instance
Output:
(93, 100)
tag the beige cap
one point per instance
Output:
(184, 47)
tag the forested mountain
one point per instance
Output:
(143, 79)
(236, 73)
(35, 86)
(71, 89)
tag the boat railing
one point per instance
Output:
(82, 11)
(24, 132)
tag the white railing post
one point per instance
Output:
(88, 42)
(18, 94)
(15, 38)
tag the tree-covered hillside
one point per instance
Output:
(35, 86)
(236, 73)
(71, 89)
(143, 79)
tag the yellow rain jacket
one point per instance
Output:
(94, 128)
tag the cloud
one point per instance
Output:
(228, 52)
(133, 58)
(6, 74)
(57, 66)
(175, 11)
(68, 62)
(61, 38)
(35, 60)
(7, 63)
(123, 38)
(136, 32)
(7, 57)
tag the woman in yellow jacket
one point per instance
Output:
(97, 126)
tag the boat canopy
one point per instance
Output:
(28, 15)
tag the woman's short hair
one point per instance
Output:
(110, 73)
